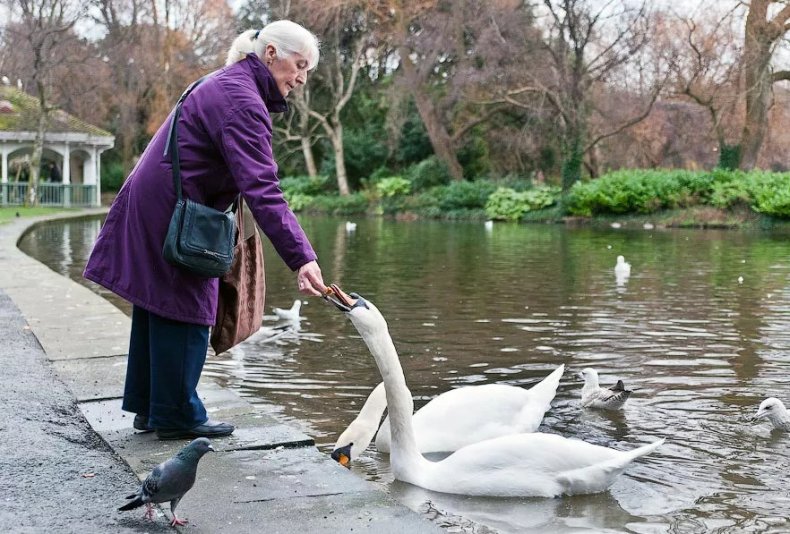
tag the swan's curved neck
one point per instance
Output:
(374, 406)
(407, 462)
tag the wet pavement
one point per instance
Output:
(69, 456)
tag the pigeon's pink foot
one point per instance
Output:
(176, 522)
(149, 511)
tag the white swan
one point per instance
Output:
(594, 396)
(622, 269)
(291, 314)
(351, 226)
(773, 409)
(455, 418)
(518, 465)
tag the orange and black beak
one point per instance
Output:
(339, 298)
(342, 455)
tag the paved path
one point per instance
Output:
(68, 454)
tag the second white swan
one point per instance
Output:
(454, 419)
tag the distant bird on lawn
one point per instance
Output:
(291, 314)
(773, 410)
(594, 396)
(170, 480)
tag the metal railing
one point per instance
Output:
(49, 194)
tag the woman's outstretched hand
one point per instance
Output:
(310, 280)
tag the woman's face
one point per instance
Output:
(289, 72)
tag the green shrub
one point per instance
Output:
(640, 191)
(307, 185)
(463, 195)
(341, 205)
(393, 186)
(771, 193)
(392, 193)
(298, 201)
(112, 176)
(510, 205)
(428, 173)
(729, 156)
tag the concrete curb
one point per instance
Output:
(266, 477)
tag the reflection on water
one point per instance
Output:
(467, 305)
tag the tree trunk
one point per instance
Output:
(440, 140)
(38, 146)
(761, 35)
(340, 161)
(309, 159)
(300, 103)
(35, 161)
(757, 86)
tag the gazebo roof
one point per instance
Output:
(19, 113)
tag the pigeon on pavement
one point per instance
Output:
(170, 480)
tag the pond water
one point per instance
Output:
(700, 331)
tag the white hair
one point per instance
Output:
(287, 37)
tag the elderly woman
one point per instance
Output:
(225, 148)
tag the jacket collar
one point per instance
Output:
(267, 86)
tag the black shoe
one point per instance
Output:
(141, 423)
(209, 429)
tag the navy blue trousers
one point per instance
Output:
(166, 358)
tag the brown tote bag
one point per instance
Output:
(242, 289)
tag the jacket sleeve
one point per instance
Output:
(246, 145)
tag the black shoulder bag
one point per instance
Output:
(199, 238)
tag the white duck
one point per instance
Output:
(518, 465)
(773, 409)
(594, 396)
(455, 418)
(291, 314)
(622, 268)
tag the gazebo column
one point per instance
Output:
(66, 175)
(97, 174)
(4, 177)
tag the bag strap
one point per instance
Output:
(172, 143)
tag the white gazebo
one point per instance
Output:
(70, 144)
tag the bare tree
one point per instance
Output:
(304, 131)
(44, 27)
(343, 30)
(767, 22)
(450, 58)
(584, 46)
(705, 69)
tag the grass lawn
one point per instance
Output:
(10, 213)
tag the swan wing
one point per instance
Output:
(462, 416)
(529, 465)
(539, 401)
